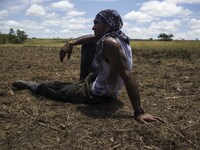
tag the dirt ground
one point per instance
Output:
(169, 83)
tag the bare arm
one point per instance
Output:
(83, 40)
(114, 55)
(67, 48)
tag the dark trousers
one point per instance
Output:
(74, 92)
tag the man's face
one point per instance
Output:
(99, 29)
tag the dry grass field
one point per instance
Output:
(168, 74)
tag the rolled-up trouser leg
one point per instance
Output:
(87, 55)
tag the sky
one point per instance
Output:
(142, 19)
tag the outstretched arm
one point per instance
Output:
(67, 48)
(114, 55)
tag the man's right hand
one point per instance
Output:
(67, 48)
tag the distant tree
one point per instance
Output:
(3, 38)
(11, 35)
(170, 36)
(165, 37)
(20, 37)
(12, 32)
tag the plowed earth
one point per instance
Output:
(169, 83)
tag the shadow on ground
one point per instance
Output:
(106, 109)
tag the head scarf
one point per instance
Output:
(110, 17)
(114, 21)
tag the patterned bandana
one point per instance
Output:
(110, 17)
(113, 19)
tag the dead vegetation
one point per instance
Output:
(169, 82)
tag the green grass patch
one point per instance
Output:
(166, 45)
(135, 44)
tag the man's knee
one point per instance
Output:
(87, 55)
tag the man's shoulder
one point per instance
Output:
(111, 43)
(110, 40)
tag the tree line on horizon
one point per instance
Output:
(17, 37)
(20, 36)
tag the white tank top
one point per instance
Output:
(108, 82)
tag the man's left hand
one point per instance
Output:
(67, 48)
(144, 118)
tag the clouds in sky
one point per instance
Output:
(63, 18)
(36, 10)
(63, 5)
(3, 13)
(194, 24)
(165, 16)
(152, 9)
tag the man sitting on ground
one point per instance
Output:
(106, 64)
